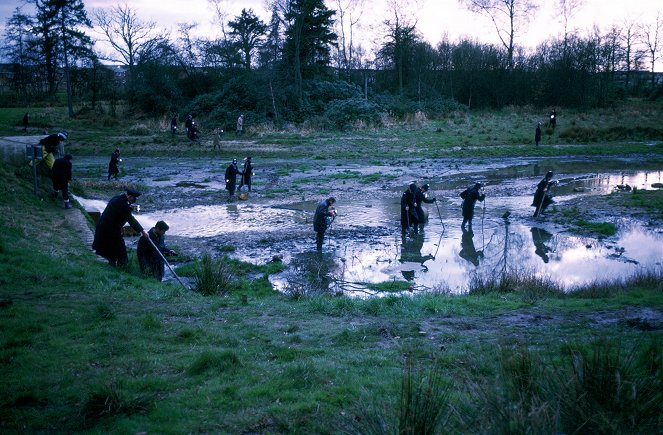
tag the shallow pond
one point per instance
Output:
(365, 245)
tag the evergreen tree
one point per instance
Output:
(308, 39)
(248, 31)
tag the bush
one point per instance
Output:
(213, 277)
(345, 113)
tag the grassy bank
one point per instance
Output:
(633, 128)
(87, 348)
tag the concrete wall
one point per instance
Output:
(12, 149)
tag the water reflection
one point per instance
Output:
(540, 237)
(468, 251)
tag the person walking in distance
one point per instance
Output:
(231, 178)
(537, 134)
(240, 125)
(114, 164)
(247, 173)
(470, 197)
(324, 215)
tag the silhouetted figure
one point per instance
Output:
(540, 237)
(553, 119)
(231, 178)
(173, 125)
(114, 164)
(61, 176)
(149, 260)
(409, 216)
(467, 249)
(322, 219)
(542, 197)
(25, 121)
(247, 174)
(537, 134)
(470, 197)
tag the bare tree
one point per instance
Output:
(631, 55)
(565, 11)
(507, 17)
(348, 14)
(652, 37)
(127, 34)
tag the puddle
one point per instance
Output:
(365, 244)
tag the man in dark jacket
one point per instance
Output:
(150, 261)
(421, 197)
(323, 211)
(113, 165)
(247, 173)
(542, 198)
(108, 241)
(470, 197)
(61, 176)
(231, 178)
(409, 216)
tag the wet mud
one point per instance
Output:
(365, 245)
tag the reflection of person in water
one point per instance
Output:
(540, 237)
(467, 250)
(411, 252)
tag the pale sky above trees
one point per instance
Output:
(434, 18)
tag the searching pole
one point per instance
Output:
(167, 264)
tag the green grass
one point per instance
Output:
(87, 348)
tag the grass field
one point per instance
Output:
(90, 349)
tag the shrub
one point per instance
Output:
(213, 277)
(344, 113)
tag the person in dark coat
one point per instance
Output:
(323, 211)
(409, 216)
(173, 125)
(113, 165)
(26, 121)
(108, 241)
(470, 197)
(151, 263)
(61, 176)
(247, 173)
(537, 134)
(231, 178)
(421, 197)
(188, 124)
(553, 119)
(542, 198)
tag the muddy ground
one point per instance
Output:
(365, 243)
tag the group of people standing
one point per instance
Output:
(246, 176)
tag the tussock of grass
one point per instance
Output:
(217, 362)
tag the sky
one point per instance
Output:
(434, 18)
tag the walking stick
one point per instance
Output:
(166, 261)
(440, 215)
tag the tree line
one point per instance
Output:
(303, 64)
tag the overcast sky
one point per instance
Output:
(434, 18)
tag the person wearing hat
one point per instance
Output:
(409, 216)
(421, 197)
(108, 241)
(51, 145)
(113, 165)
(150, 261)
(470, 196)
(61, 176)
(231, 178)
(541, 197)
(247, 173)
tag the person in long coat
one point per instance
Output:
(231, 178)
(409, 216)
(108, 241)
(113, 165)
(323, 211)
(470, 197)
(542, 198)
(61, 176)
(247, 173)
(537, 134)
